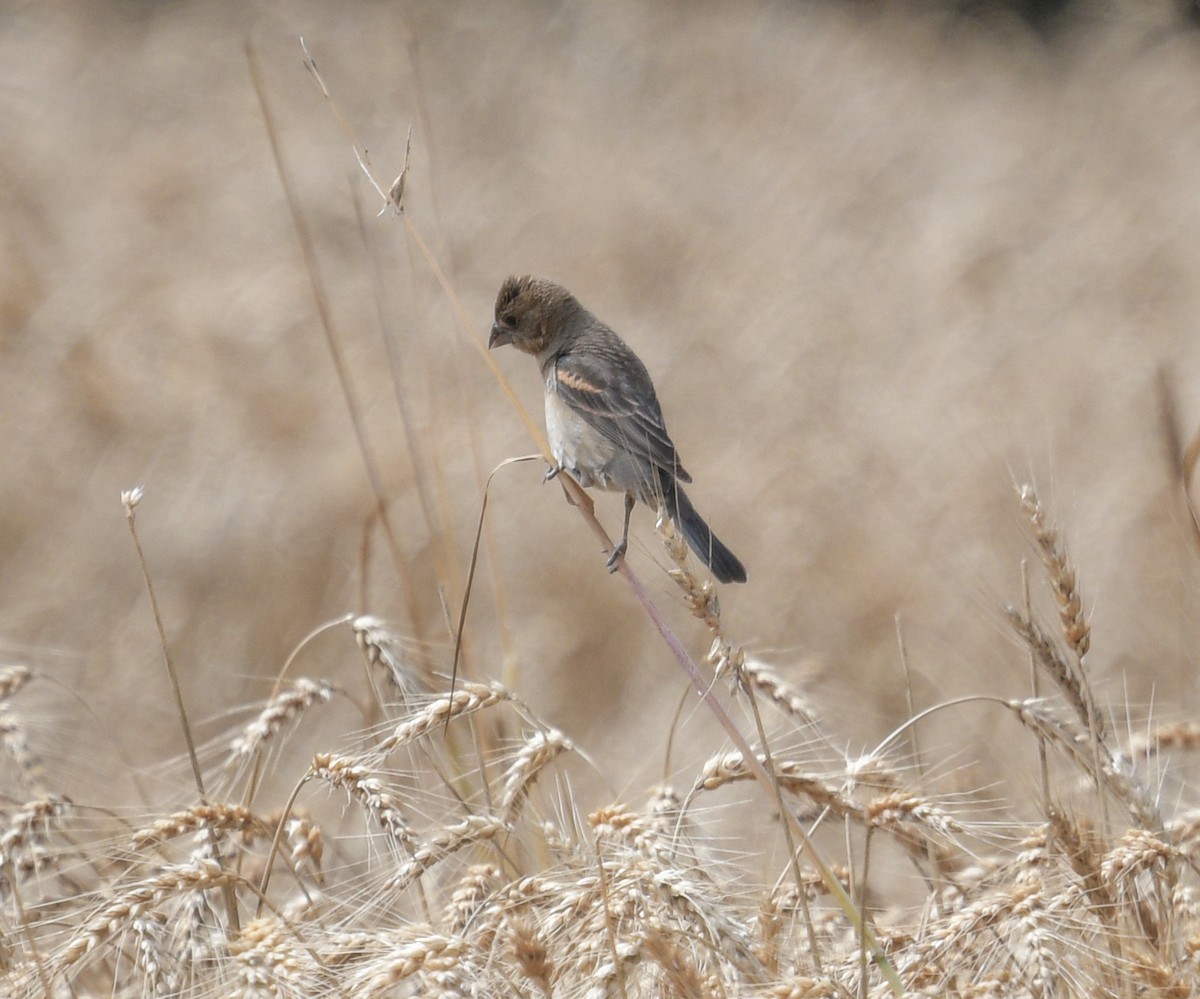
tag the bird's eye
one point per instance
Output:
(509, 320)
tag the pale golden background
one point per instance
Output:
(882, 260)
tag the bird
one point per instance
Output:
(603, 418)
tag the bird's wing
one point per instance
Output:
(611, 390)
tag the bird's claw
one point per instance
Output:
(616, 556)
(551, 472)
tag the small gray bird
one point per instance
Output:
(605, 426)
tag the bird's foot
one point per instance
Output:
(551, 473)
(617, 555)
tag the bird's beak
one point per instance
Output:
(500, 336)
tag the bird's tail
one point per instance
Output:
(699, 536)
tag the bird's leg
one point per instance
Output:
(618, 551)
(552, 473)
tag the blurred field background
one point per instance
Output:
(883, 260)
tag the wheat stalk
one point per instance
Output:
(283, 708)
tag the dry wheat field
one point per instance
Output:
(287, 709)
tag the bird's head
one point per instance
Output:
(530, 313)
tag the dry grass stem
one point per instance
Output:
(114, 917)
(283, 709)
(1068, 680)
(779, 692)
(220, 818)
(467, 698)
(537, 753)
(356, 779)
(391, 655)
(446, 843)
(1076, 630)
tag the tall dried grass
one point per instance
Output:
(445, 850)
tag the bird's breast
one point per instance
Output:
(577, 446)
